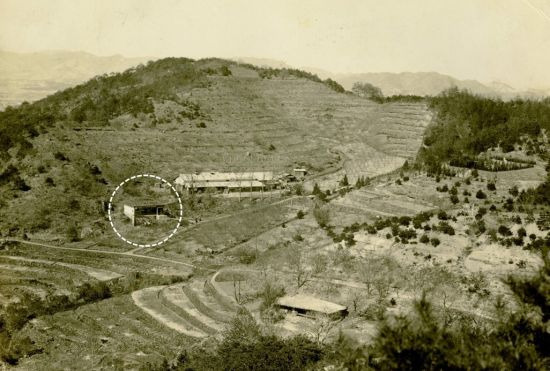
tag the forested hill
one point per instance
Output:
(467, 125)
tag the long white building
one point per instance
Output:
(225, 182)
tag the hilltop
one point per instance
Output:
(63, 154)
(32, 76)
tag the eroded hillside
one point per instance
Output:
(174, 116)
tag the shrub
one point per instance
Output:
(435, 241)
(20, 184)
(425, 239)
(404, 220)
(90, 292)
(322, 216)
(49, 182)
(60, 156)
(269, 295)
(442, 215)
(446, 228)
(504, 231)
(72, 233)
(298, 238)
(298, 189)
(491, 186)
(480, 195)
(407, 234)
(454, 199)
(300, 214)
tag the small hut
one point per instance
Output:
(310, 306)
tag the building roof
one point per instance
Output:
(148, 203)
(227, 184)
(310, 303)
(224, 177)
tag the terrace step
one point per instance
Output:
(197, 293)
(174, 298)
(223, 299)
(149, 301)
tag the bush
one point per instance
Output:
(425, 239)
(49, 182)
(322, 216)
(300, 214)
(480, 195)
(491, 186)
(504, 231)
(446, 228)
(90, 292)
(435, 241)
(72, 233)
(60, 156)
(298, 238)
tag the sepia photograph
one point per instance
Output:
(233, 185)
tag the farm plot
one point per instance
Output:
(115, 263)
(196, 309)
(227, 231)
(366, 204)
(22, 276)
(112, 334)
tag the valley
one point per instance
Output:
(367, 227)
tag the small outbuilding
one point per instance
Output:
(300, 172)
(156, 210)
(310, 306)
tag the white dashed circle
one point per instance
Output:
(160, 242)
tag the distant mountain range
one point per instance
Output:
(413, 83)
(31, 76)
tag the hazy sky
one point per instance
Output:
(505, 40)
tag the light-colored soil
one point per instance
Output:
(98, 274)
(148, 300)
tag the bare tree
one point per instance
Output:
(323, 325)
(299, 268)
(319, 263)
(356, 298)
(237, 293)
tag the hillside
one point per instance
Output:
(177, 115)
(32, 76)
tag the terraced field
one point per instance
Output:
(387, 199)
(112, 334)
(226, 231)
(303, 120)
(197, 309)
